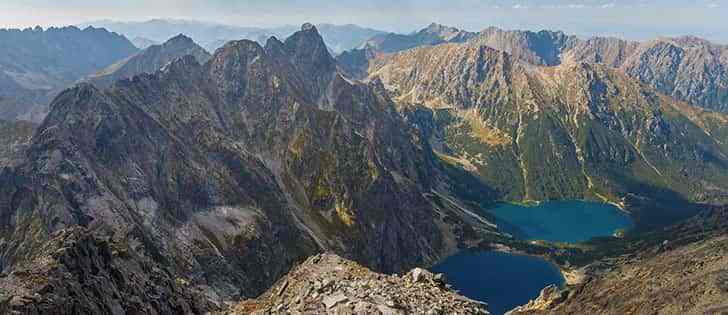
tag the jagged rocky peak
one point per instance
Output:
(541, 48)
(179, 38)
(687, 41)
(238, 54)
(150, 60)
(440, 29)
(308, 27)
(309, 50)
(447, 33)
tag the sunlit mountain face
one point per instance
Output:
(381, 157)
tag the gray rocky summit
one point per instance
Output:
(328, 284)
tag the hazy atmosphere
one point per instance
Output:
(622, 18)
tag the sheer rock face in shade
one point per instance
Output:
(77, 272)
(15, 137)
(226, 174)
(572, 131)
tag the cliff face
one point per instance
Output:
(573, 131)
(688, 69)
(228, 173)
(540, 48)
(15, 139)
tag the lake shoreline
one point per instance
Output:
(561, 223)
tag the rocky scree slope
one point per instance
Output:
(226, 174)
(328, 284)
(574, 131)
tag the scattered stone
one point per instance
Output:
(333, 300)
(345, 287)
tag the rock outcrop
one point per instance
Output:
(328, 284)
(77, 272)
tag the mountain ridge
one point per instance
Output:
(495, 115)
(36, 64)
(687, 68)
(214, 35)
(150, 60)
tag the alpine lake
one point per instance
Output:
(506, 280)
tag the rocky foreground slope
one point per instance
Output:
(328, 284)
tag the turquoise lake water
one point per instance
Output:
(506, 280)
(561, 221)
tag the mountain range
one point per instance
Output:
(687, 68)
(213, 36)
(221, 176)
(36, 64)
(172, 180)
(573, 131)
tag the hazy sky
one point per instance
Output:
(637, 19)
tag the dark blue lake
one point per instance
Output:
(506, 280)
(561, 221)
(502, 280)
